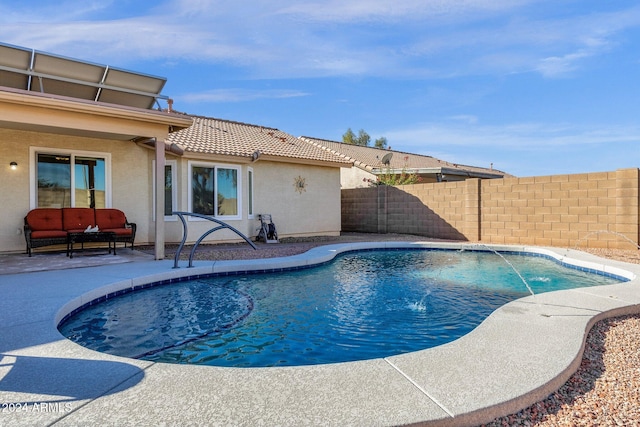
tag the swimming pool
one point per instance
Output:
(362, 305)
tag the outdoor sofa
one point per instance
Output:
(53, 226)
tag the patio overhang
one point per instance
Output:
(441, 172)
(33, 111)
(55, 114)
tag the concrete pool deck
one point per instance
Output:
(517, 356)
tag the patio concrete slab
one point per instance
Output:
(518, 355)
(41, 384)
(338, 395)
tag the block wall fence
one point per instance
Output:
(595, 210)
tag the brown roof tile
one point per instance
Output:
(370, 158)
(228, 138)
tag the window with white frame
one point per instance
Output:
(170, 189)
(213, 190)
(250, 188)
(70, 179)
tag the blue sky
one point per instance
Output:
(535, 87)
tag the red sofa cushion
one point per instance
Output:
(119, 231)
(77, 219)
(48, 234)
(45, 219)
(108, 219)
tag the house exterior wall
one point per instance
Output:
(14, 189)
(130, 183)
(354, 177)
(600, 210)
(311, 211)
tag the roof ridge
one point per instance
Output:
(235, 122)
(320, 139)
(371, 148)
(440, 161)
(210, 135)
(325, 148)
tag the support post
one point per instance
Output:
(159, 226)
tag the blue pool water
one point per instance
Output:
(362, 305)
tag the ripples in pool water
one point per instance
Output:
(362, 305)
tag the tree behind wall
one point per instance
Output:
(393, 178)
(381, 143)
(362, 139)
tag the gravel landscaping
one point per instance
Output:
(605, 391)
(286, 247)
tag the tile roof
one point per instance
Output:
(370, 159)
(211, 136)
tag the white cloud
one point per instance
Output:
(555, 66)
(286, 38)
(47, 12)
(240, 95)
(393, 10)
(516, 136)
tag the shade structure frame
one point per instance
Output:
(32, 70)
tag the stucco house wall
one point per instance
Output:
(303, 199)
(355, 178)
(295, 182)
(313, 209)
(14, 188)
(310, 211)
(130, 183)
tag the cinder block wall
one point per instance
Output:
(600, 210)
(359, 210)
(444, 210)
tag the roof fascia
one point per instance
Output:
(472, 174)
(299, 161)
(60, 103)
(263, 157)
(439, 170)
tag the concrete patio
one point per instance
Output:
(517, 356)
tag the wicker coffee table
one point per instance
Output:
(90, 237)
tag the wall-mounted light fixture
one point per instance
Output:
(13, 165)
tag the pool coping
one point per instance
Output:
(466, 382)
